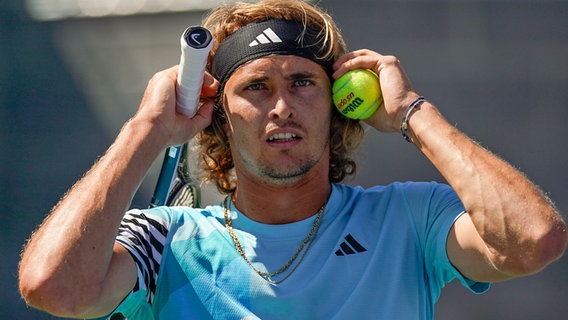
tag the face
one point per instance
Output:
(279, 110)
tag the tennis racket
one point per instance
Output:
(175, 185)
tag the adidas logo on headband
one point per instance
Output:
(267, 36)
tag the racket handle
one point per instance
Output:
(196, 42)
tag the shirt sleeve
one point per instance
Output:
(435, 210)
(143, 234)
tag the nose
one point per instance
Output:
(283, 108)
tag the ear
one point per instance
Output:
(226, 121)
(226, 129)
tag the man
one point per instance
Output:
(289, 241)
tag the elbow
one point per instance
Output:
(555, 242)
(547, 246)
(34, 293)
(47, 294)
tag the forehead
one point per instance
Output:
(280, 63)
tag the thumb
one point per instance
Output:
(200, 120)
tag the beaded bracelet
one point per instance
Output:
(407, 113)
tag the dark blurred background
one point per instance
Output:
(72, 72)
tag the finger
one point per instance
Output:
(349, 55)
(187, 128)
(203, 117)
(360, 59)
(159, 91)
(171, 73)
(209, 87)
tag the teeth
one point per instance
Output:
(282, 137)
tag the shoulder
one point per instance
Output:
(172, 215)
(166, 219)
(408, 188)
(415, 198)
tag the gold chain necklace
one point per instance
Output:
(268, 275)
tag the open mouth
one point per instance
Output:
(283, 137)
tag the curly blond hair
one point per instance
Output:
(345, 134)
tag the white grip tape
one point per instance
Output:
(196, 42)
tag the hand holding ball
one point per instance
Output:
(357, 94)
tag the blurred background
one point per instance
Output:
(73, 71)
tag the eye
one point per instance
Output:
(302, 83)
(255, 86)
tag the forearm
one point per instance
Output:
(520, 227)
(70, 267)
(70, 253)
(514, 230)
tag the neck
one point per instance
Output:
(280, 204)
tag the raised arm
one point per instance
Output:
(511, 228)
(71, 267)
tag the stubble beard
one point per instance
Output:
(284, 176)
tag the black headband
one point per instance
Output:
(277, 36)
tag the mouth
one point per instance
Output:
(283, 137)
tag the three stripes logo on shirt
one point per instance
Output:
(349, 246)
(267, 36)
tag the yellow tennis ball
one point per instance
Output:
(357, 94)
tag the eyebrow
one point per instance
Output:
(254, 79)
(300, 75)
(293, 76)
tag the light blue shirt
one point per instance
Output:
(380, 253)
